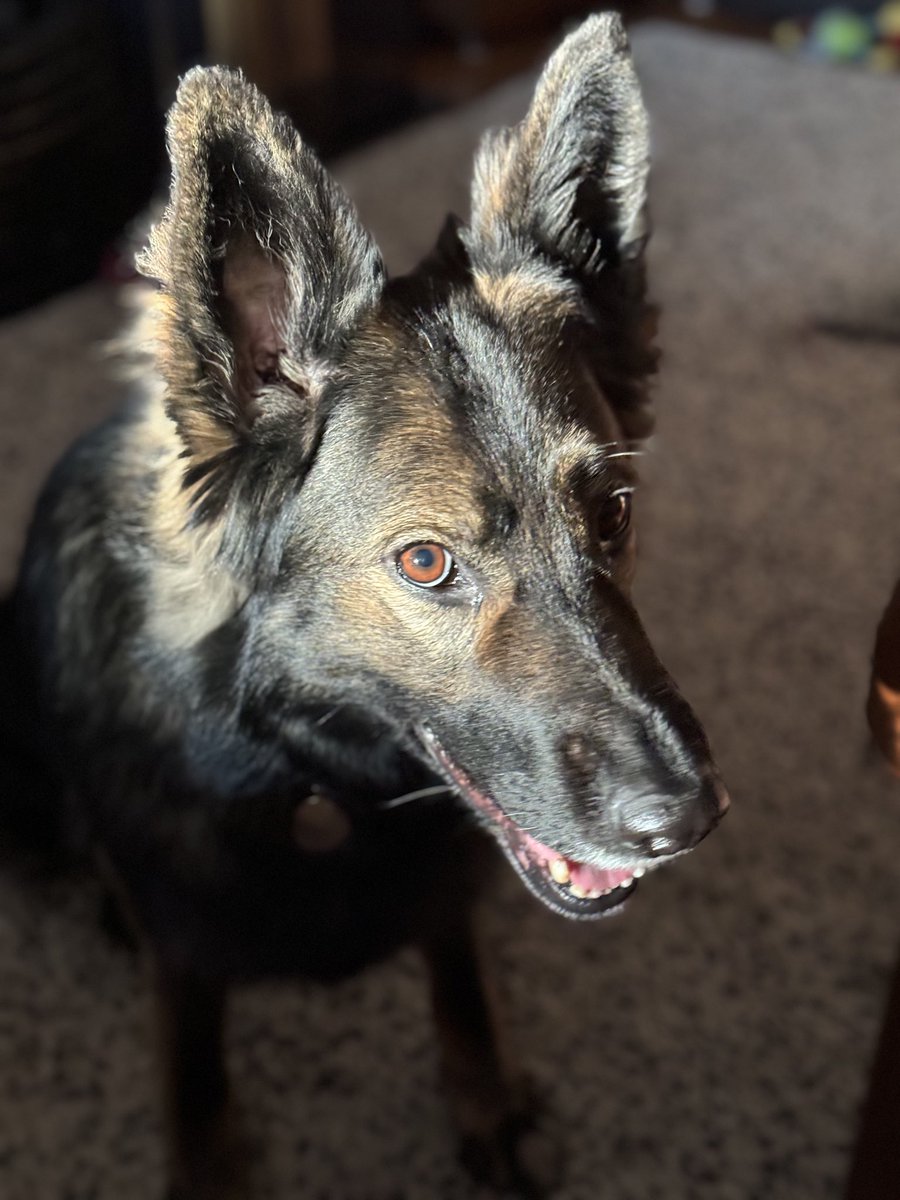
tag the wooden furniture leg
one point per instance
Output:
(875, 1169)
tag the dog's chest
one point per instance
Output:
(311, 883)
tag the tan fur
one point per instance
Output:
(527, 294)
(191, 591)
(509, 646)
(205, 436)
(408, 630)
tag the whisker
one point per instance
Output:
(324, 720)
(440, 790)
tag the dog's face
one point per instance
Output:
(425, 485)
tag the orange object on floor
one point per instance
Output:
(883, 705)
(875, 1164)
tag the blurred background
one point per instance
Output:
(84, 85)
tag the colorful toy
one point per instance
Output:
(840, 35)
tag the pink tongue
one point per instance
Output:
(592, 879)
(589, 879)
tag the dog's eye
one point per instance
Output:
(425, 564)
(614, 517)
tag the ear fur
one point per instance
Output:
(572, 177)
(264, 267)
(569, 185)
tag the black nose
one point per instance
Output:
(652, 799)
(655, 825)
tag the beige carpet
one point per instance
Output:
(712, 1043)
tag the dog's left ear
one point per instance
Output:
(569, 184)
(264, 267)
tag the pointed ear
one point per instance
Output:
(569, 185)
(571, 179)
(264, 268)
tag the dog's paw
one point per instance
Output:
(115, 925)
(214, 1187)
(521, 1156)
(217, 1167)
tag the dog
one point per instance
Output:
(339, 600)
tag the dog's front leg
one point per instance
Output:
(503, 1142)
(206, 1158)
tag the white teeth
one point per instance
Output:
(559, 870)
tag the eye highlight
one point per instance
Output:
(614, 517)
(425, 564)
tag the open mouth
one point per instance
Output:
(572, 889)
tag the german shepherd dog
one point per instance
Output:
(345, 587)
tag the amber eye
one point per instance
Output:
(614, 517)
(426, 564)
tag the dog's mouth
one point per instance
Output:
(570, 888)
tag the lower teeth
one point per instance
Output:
(558, 870)
(594, 894)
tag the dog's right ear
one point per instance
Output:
(570, 181)
(568, 187)
(264, 267)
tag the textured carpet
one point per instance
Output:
(713, 1042)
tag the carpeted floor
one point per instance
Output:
(712, 1043)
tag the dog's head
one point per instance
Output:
(425, 484)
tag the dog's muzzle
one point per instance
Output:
(577, 889)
